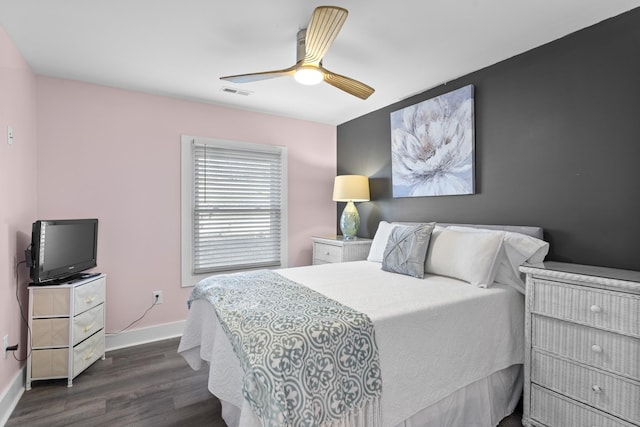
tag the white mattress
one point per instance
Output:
(435, 335)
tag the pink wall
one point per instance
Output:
(17, 194)
(115, 155)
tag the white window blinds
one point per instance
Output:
(237, 207)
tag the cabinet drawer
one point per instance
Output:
(607, 392)
(355, 252)
(50, 332)
(87, 323)
(89, 295)
(87, 352)
(327, 253)
(557, 411)
(51, 302)
(49, 363)
(601, 349)
(603, 309)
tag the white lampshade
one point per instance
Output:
(351, 188)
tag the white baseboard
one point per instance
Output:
(144, 335)
(11, 395)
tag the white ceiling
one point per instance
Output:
(180, 48)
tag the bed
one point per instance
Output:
(450, 344)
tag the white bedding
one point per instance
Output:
(435, 335)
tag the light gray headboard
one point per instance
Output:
(536, 232)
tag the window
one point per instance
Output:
(233, 207)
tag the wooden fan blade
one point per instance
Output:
(347, 84)
(254, 77)
(324, 26)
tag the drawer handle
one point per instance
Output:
(596, 388)
(595, 308)
(596, 348)
(89, 355)
(90, 299)
(89, 327)
(327, 253)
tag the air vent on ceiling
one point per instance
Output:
(236, 91)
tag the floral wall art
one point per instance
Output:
(432, 146)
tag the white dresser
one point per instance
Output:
(336, 249)
(67, 329)
(582, 355)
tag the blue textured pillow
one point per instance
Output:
(406, 250)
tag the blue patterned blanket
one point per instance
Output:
(307, 359)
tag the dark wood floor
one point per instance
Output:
(147, 385)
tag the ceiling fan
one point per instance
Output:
(313, 44)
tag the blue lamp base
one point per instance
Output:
(349, 221)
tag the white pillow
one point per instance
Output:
(376, 253)
(471, 257)
(517, 249)
(520, 248)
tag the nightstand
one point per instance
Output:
(582, 354)
(336, 249)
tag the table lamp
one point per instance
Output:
(350, 188)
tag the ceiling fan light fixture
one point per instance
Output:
(313, 43)
(308, 75)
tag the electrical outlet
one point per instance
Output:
(157, 297)
(5, 344)
(9, 135)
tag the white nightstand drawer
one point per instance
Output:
(327, 253)
(614, 311)
(336, 249)
(611, 393)
(555, 410)
(602, 349)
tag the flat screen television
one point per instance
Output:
(61, 249)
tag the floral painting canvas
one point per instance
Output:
(432, 146)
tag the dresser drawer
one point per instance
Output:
(327, 253)
(611, 393)
(601, 349)
(50, 363)
(87, 352)
(613, 311)
(89, 295)
(50, 332)
(555, 410)
(51, 302)
(88, 323)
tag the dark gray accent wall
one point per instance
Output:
(557, 145)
